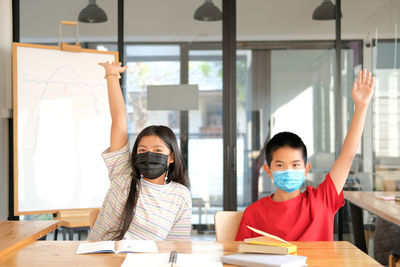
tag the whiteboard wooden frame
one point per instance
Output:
(15, 117)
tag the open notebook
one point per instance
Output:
(122, 246)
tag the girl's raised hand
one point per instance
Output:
(363, 88)
(113, 68)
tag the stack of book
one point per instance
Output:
(266, 243)
(265, 251)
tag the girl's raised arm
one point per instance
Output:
(119, 127)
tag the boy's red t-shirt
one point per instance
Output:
(307, 217)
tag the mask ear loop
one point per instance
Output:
(166, 178)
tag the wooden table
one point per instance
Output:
(386, 209)
(18, 234)
(62, 253)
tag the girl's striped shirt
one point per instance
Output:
(163, 212)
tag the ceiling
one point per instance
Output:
(172, 20)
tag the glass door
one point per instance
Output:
(150, 65)
(281, 89)
(205, 149)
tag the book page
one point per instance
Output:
(96, 247)
(126, 246)
(267, 235)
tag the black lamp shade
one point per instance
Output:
(326, 11)
(208, 12)
(92, 13)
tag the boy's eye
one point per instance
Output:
(158, 150)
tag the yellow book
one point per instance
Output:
(267, 243)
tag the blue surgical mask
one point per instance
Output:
(289, 180)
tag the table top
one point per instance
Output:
(386, 209)
(62, 253)
(18, 234)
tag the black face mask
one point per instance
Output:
(151, 165)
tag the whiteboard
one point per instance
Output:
(61, 125)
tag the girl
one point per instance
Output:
(148, 196)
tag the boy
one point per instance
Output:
(308, 216)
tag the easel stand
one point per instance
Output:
(65, 46)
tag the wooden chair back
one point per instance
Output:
(227, 224)
(92, 217)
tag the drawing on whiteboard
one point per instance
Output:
(82, 97)
(63, 126)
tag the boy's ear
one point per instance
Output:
(308, 168)
(267, 170)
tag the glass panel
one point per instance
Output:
(156, 50)
(246, 120)
(301, 100)
(301, 97)
(146, 68)
(386, 117)
(205, 137)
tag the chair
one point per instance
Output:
(394, 259)
(227, 224)
(92, 217)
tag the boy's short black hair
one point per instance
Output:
(283, 139)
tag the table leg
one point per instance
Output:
(358, 227)
(71, 234)
(55, 234)
(340, 224)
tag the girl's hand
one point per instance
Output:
(363, 88)
(113, 68)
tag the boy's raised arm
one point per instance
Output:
(119, 127)
(362, 93)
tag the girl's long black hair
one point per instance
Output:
(176, 172)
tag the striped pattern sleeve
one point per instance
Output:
(183, 224)
(118, 161)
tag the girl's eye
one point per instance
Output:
(279, 165)
(158, 150)
(141, 150)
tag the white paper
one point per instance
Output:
(161, 259)
(264, 260)
(136, 246)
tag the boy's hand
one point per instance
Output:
(363, 89)
(114, 68)
(362, 93)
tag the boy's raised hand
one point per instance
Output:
(113, 67)
(363, 88)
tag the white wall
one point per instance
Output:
(5, 99)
